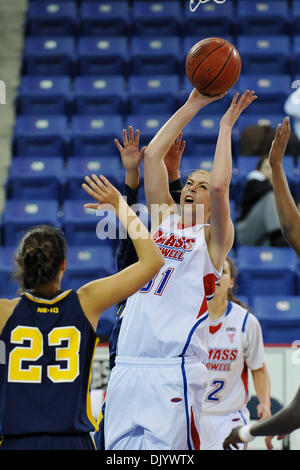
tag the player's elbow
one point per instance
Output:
(151, 153)
(218, 189)
(158, 261)
(148, 151)
(155, 263)
(148, 268)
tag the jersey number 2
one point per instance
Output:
(33, 374)
(162, 284)
(213, 396)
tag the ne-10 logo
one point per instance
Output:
(194, 7)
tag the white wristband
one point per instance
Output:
(244, 433)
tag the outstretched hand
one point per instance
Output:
(236, 108)
(102, 191)
(280, 142)
(131, 156)
(203, 100)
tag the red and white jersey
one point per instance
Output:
(235, 344)
(168, 317)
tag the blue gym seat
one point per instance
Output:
(19, 215)
(262, 17)
(201, 135)
(104, 55)
(279, 317)
(98, 18)
(93, 136)
(190, 163)
(86, 227)
(296, 16)
(156, 18)
(148, 125)
(51, 55)
(266, 270)
(44, 95)
(51, 18)
(157, 55)
(153, 94)
(86, 264)
(272, 92)
(265, 54)
(100, 95)
(209, 19)
(296, 54)
(77, 168)
(36, 178)
(40, 135)
(8, 287)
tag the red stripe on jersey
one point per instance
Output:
(214, 329)
(244, 377)
(182, 226)
(203, 308)
(194, 432)
(209, 282)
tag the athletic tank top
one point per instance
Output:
(235, 344)
(168, 317)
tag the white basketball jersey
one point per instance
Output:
(235, 344)
(168, 317)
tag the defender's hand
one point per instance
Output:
(131, 156)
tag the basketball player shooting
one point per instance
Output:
(163, 337)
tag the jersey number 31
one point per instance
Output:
(161, 285)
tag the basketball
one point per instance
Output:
(213, 66)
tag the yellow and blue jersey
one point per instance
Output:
(49, 347)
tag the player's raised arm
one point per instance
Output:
(156, 175)
(98, 295)
(221, 230)
(288, 212)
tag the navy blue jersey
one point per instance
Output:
(50, 346)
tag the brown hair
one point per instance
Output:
(231, 292)
(39, 256)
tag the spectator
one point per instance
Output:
(258, 223)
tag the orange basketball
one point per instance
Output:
(213, 65)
